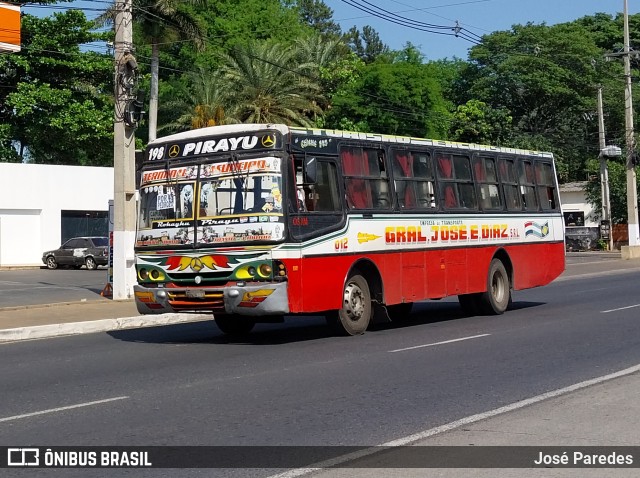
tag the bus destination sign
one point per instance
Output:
(214, 145)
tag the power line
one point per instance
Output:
(370, 8)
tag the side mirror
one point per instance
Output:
(309, 170)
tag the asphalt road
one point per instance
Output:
(43, 286)
(293, 384)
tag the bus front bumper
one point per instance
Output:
(265, 298)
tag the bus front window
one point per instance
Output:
(252, 194)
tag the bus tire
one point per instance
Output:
(236, 325)
(354, 316)
(498, 295)
(470, 303)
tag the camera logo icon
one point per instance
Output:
(23, 456)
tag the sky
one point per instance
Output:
(478, 17)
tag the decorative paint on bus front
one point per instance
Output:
(196, 263)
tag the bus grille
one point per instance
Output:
(211, 301)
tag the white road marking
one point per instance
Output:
(620, 308)
(60, 409)
(440, 343)
(412, 439)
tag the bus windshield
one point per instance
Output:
(230, 201)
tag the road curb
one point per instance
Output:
(94, 326)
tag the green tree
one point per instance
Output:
(545, 77)
(268, 85)
(56, 101)
(476, 122)
(402, 97)
(319, 16)
(366, 44)
(200, 104)
(617, 189)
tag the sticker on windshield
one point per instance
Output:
(165, 201)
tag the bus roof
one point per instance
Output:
(407, 141)
(221, 130)
(382, 138)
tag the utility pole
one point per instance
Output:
(604, 172)
(124, 200)
(633, 249)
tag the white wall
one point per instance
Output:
(32, 197)
(573, 200)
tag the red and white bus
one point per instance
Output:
(253, 222)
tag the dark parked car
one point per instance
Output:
(79, 251)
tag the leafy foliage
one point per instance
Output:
(476, 122)
(401, 97)
(56, 99)
(617, 189)
(269, 86)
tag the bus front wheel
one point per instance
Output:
(498, 295)
(354, 316)
(234, 324)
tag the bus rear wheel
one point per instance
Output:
(354, 316)
(498, 295)
(234, 324)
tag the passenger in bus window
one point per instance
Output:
(425, 195)
(380, 192)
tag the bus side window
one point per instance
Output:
(546, 186)
(324, 194)
(484, 169)
(366, 181)
(413, 174)
(527, 186)
(509, 180)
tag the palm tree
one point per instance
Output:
(201, 104)
(270, 86)
(161, 22)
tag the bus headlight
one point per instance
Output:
(254, 271)
(146, 275)
(265, 270)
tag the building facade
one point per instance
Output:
(43, 205)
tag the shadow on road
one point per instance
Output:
(294, 329)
